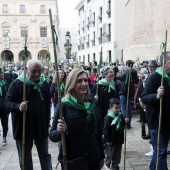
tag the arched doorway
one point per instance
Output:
(6, 57)
(22, 53)
(42, 56)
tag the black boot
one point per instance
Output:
(148, 136)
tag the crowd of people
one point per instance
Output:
(97, 103)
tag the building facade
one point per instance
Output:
(146, 24)
(100, 30)
(29, 18)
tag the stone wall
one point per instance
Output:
(145, 27)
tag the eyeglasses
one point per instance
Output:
(10, 66)
(35, 71)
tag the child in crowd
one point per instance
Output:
(113, 131)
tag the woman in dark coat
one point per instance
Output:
(81, 125)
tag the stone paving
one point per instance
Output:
(135, 158)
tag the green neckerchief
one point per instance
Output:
(116, 119)
(62, 87)
(166, 76)
(127, 78)
(2, 84)
(52, 74)
(110, 85)
(12, 73)
(45, 77)
(31, 83)
(87, 106)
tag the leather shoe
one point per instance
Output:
(148, 136)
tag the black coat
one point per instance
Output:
(9, 78)
(124, 87)
(2, 98)
(110, 132)
(149, 97)
(77, 139)
(37, 114)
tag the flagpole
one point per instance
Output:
(24, 100)
(59, 92)
(160, 115)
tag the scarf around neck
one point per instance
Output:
(116, 119)
(110, 85)
(12, 73)
(166, 76)
(87, 106)
(2, 84)
(62, 87)
(37, 86)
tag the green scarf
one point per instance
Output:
(10, 73)
(116, 119)
(87, 106)
(62, 87)
(110, 85)
(166, 76)
(2, 84)
(31, 83)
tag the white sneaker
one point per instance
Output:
(149, 154)
(4, 141)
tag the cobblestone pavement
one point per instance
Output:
(135, 158)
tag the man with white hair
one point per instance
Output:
(37, 107)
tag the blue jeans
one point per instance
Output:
(123, 101)
(42, 148)
(164, 139)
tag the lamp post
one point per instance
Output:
(68, 45)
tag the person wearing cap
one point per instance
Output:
(123, 88)
(107, 89)
(151, 97)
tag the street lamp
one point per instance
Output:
(68, 45)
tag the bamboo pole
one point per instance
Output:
(160, 115)
(97, 87)
(127, 106)
(24, 113)
(59, 92)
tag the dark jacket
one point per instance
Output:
(77, 139)
(2, 98)
(54, 93)
(104, 97)
(149, 97)
(37, 114)
(110, 132)
(9, 78)
(123, 87)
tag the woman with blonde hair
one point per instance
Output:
(81, 125)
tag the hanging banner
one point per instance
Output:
(5, 42)
(43, 41)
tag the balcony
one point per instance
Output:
(108, 36)
(108, 13)
(93, 22)
(87, 44)
(93, 42)
(100, 18)
(100, 39)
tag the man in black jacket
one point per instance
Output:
(151, 97)
(37, 107)
(123, 88)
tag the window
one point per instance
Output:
(5, 32)
(22, 8)
(42, 9)
(43, 32)
(88, 1)
(24, 31)
(88, 57)
(5, 8)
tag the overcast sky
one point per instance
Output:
(67, 12)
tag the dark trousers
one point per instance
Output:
(42, 149)
(113, 156)
(4, 121)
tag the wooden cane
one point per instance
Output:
(160, 114)
(127, 106)
(59, 92)
(24, 113)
